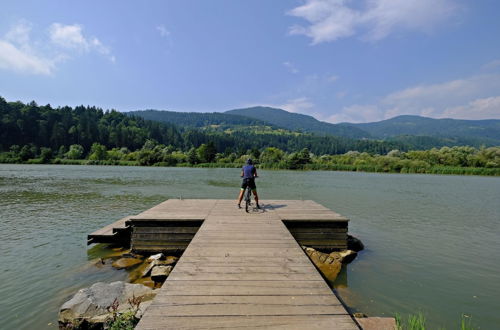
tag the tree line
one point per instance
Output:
(30, 133)
(55, 128)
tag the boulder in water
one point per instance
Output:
(160, 273)
(329, 264)
(354, 243)
(91, 306)
(126, 263)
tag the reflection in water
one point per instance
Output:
(341, 280)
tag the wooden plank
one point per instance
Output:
(232, 288)
(279, 322)
(108, 230)
(246, 305)
(253, 276)
(237, 260)
(242, 270)
(249, 252)
(170, 230)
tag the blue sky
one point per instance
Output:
(337, 60)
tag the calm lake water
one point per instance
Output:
(432, 242)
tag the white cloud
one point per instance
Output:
(163, 30)
(356, 114)
(290, 67)
(19, 34)
(16, 53)
(19, 53)
(301, 104)
(485, 108)
(431, 99)
(492, 65)
(333, 78)
(475, 97)
(71, 37)
(15, 59)
(68, 36)
(329, 20)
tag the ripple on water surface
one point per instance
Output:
(432, 241)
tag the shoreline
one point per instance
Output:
(439, 170)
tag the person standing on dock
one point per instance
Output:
(249, 173)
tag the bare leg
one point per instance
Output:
(240, 197)
(256, 197)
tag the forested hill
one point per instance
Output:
(488, 130)
(299, 122)
(36, 127)
(413, 131)
(198, 119)
(43, 126)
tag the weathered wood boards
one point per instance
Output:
(241, 271)
(115, 232)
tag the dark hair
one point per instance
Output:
(249, 161)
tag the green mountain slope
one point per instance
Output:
(299, 122)
(461, 131)
(198, 119)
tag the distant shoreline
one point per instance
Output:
(440, 170)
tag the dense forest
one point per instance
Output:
(55, 128)
(30, 133)
(414, 132)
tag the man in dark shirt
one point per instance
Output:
(249, 173)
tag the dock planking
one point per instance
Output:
(243, 270)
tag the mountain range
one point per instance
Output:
(417, 131)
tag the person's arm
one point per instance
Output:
(242, 173)
(255, 172)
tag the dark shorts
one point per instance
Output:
(248, 183)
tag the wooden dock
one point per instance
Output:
(241, 270)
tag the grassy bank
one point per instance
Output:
(450, 170)
(418, 322)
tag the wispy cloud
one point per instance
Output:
(474, 97)
(492, 65)
(162, 30)
(301, 104)
(484, 108)
(333, 78)
(290, 67)
(298, 105)
(19, 60)
(20, 53)
(330, 20)
(16, 53)
(357, 113)
(71, 37)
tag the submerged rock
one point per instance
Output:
(126, 263)
(92, 306)
(170, 260)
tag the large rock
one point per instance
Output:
(330, 264)
(354, 243)
(160, 273)
(126, 263)
(157, 262)
(90, 306)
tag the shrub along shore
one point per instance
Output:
(459, 160)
